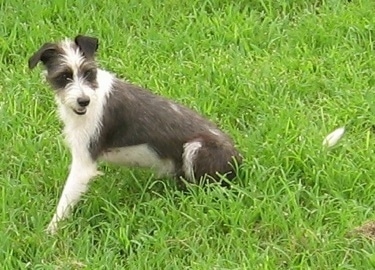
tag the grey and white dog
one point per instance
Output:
(108, 119)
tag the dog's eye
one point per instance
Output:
(89, 74)
(61, 80)
(66, 76)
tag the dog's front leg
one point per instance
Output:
(81, 172)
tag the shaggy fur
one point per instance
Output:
(106, 118)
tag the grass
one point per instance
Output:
(277, 75)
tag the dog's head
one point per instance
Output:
(71, 70)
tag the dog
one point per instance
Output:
(108, 119)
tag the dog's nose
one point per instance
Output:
(83, 101)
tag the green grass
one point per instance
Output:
(277, 75)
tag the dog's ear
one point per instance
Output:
(88, 45)
(44, 54)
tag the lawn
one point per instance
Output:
(276, 75)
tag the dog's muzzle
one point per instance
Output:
(83, 102)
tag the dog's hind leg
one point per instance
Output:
(81, 172)
(207, 156)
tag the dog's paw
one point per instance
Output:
(52, 228)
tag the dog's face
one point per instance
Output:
(70, 70)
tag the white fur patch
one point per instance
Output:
(215, 132)
(188, 156)
(79, 129)
(175, 108)
(139, 156)
(72, 55)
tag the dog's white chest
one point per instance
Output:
(139, 156)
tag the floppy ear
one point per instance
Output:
(44, 54)
(88, 45)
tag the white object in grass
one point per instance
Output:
(333, 138)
